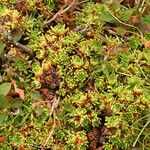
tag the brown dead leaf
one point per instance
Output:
(67, 2)
(2, 139)
(147, 44)
(99, 148)
(134, 19)
(21, 147)
(20, 92)
(145, 28)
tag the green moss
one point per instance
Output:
(100, 75)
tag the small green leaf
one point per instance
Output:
(16, 104)
(3, 117)
(2, 46)
(35, 95)
(5, 88)
(3, 101)
(17, 36)
(108, 17)
(146, 19)
(1, 79)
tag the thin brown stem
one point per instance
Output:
(59, 13)
(23, 48)
(52, 112)
(134, 33)
(123, 23)
(52, 130)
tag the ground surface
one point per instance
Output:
(74, 75)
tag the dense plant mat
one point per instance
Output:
(74, 75)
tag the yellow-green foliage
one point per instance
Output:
(103, 80)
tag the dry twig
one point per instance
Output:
(123, 23)
(54, 106)
(59, 13)
(23, 48)
(138, 35)
(52, 129)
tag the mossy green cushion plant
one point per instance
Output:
(102, 82)
(91, 85)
